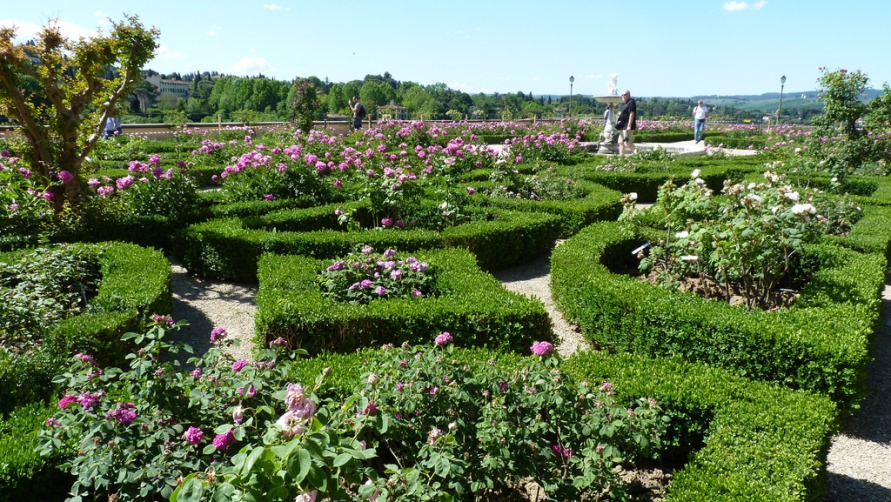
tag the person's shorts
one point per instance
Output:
(357, 123)
(626, 136)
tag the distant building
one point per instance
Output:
(177, 87)
(392, 111)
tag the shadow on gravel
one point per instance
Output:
(846, 489)
(536, 269)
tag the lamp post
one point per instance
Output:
(780, 109)
(571, 80)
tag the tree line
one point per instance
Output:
(217, 97)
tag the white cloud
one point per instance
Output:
(214, 31)
(26, 30)
(275, 6)
(738, 6)
(249, 66)
(165, 52)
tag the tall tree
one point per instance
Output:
(65, 116)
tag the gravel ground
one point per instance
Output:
(859, 460)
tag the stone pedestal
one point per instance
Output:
(609, 144)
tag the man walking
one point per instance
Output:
(627, 123)
(699, 114)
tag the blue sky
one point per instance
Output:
(655, 47)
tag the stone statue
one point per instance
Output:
(613, 88)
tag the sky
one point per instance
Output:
(656, 48)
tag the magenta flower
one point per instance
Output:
(194, 435)
(196, 373)
(66, 176)
(541, 348)
(606, 387)
(380, 291)
(217, 334)
(443, 338)
(53, 422)
(366, 283)
(65, 401)
(125, 414)
(269, 197)
(49, 196)
(224, 440)
(88, 400)
(387, 222)
(239, 365)
(471, 190)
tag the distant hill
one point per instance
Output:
(770, 101)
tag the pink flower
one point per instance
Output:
(194, 435)
(124, 414)
(291, 424)
(217, 334)
(65, 401)
(53, 422)
(66, 176)
(224, 440)
(307, 497)
(88, 400)
(471, 190)
(443, 338)
(239, 365)
(541, 348)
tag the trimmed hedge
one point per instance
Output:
(471, 304)
(229, 248)
(820, 344)
(136, 282)
(599, 203)
(764, 442)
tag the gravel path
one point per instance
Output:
(859, 460)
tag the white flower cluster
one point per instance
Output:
(803, 209)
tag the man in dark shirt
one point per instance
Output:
(358, 113)
(627, 123)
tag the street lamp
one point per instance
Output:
(780, 109)
(571, 80)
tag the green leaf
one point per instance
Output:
(342, 459)
(304, 460)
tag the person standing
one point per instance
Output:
(699, 115)
(627, 123)
(112, 126)
(358, 113)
